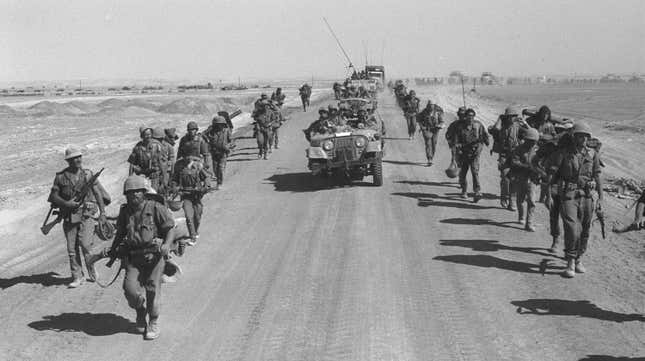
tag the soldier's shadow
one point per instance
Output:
(432, 184)
(479, 222)
(93, 324)
(484, 245)
(435, 200)
(487, 261)
(44, 279)
(610, 358)
(557, 307)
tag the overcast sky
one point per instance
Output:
(86, 39)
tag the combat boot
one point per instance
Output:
(477, 197)
(76, 282)
(152, 331)
(570, 271)
(555, 244)
(140, 325)
(503, 203)
(579, 267)
(529, 227)
(464, 195)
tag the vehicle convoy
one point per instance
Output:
(352, 151)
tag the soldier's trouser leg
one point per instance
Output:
(275, 137)
(530, 202)
(153, 288)
(433, 144)
(504, 182)
(221, 168)
(132, 287)
(576, 211)
(261, 141)
(198, 208)
(519, 188)
(79, 241)
(474, 171)
(189, 212)
(554, 216)
(411, 119)
(269, 136)
(427, 139)
(463, 172)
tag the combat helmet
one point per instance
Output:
(135, 182)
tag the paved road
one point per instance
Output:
(289, 270)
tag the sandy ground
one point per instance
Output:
(290, 269)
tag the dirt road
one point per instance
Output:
(286, 270)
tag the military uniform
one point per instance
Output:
(524, 184)
(148, 159)
(194, 148)
(169, 146)
(278, 97)
(576, 172)
(264, 123)
(193, 181)
(469, 138)
(411, 108)
(78, 224)
(220, 141)
(305, 95)
(276, 123)
(506, 135)
(430, 122)
(140, 232)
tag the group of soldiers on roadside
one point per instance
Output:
(537, 152)
(268, 118)
(144, 234)
(350, 90)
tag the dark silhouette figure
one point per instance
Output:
(484, 245)
(546, 306)
(93, 324)
(401, 162)
(487, 261)
(45, 279)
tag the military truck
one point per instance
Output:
(352, 153)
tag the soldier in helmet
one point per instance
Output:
(430, 121)
(277, 120)
(147, 159)
(220, 141)
(410, 109)
(278, 97)
(259, 104)
(320, 126)
(469, 139)
(78, 221)
(506, 135)
(305, 95)
(577, 172)
(450, 132)
(524, 177)
(192, 146)
(159, 135)
(169, 143)
(144, 235)
(264, 129)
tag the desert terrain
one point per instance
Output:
(292, 268)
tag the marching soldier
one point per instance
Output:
(264, 119)
(192, 182)
(169, 143)
(410, 109)
(506, 135)
(577, 172)
(430, 121)
(470, 136)
(193, 146)
(452, 128)
(144, 235)
(276, 123)
(159, 135)
(259, 104)
(524, 177)
(147, 159)
(278, 97)
(220, 141)
(305, 95)
(78, 221)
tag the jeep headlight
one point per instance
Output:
(328, 145)
(360, 142)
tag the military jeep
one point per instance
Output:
(354, 154)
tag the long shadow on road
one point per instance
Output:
(479, 222)
(556, 307)
(93, 324)
(44, 279)
(484, 245)
(431, 184)
(400, 162)
(487, 261)
(430, 199)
